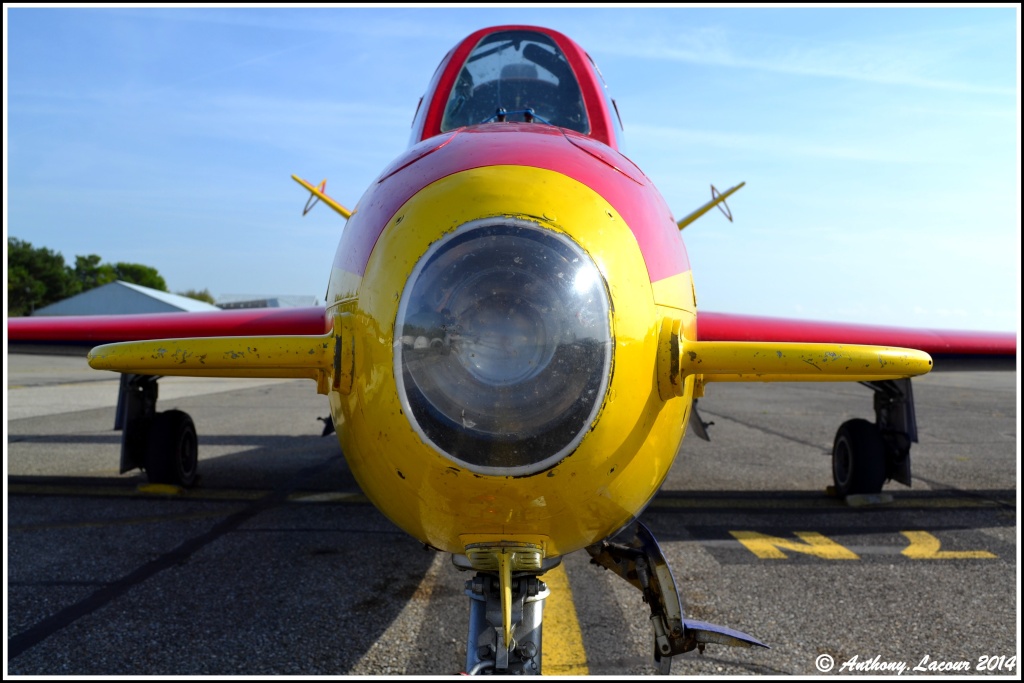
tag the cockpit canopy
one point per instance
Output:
(516, 75)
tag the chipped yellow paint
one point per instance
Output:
(299, 356)
(811, 543)
(924, 546)
(563, 653)
(795, 362)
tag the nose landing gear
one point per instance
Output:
(487, 652)
(515, 606)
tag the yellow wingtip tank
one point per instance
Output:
(779, 362)
(800, 362)
(325, 358)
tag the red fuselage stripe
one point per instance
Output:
(100, 329)
(729, 327)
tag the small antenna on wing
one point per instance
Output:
(717, 199)
(318, 194)
(723, 207)
(314, 198)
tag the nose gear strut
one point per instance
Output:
(640, 562)
(488, 652)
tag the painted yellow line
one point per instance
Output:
(162, 490)
(139, 491)
(109, 523)
(925, 546)
(329, 497)
(811, 543)
(663, 502)
(563, 653)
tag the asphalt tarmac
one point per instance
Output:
(277, 565)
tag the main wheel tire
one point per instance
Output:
(172, 450)
(858, 458)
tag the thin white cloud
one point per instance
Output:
(641, 134)
(337, 22)
(893, 61)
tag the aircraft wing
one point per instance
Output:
(949, 349)
(78, 334)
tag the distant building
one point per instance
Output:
(229, 301)
(119, 298)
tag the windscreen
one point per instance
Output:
(516, 76)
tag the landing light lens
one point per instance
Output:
(503, 346)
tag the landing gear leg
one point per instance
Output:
(486, 651)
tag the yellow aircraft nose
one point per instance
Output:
(496, 390)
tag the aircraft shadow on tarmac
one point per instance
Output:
(255, 567)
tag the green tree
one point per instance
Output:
(91, 273)
(138, 274)
(36, 277)
(23, 291)
(201, 295)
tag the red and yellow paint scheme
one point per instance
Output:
(511, 346)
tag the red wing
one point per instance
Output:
(950, 349)
(82, 332)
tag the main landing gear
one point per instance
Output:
(867, 454)
(163, 444)
(633, 555)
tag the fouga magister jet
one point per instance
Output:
(511, 347)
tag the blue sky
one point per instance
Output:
(881, 147)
